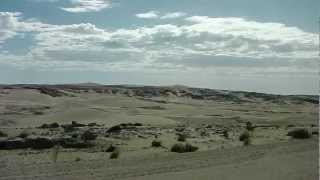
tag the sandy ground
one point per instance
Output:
(290, 160)
(271, 155)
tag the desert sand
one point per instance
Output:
(66, 131)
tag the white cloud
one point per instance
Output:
(157, 15)
(173, 15)
(80, 6)
(166, 47)
(148, 15)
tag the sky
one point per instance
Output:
(250, 45)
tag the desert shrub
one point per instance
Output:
(182, 137)
(244, 135)
(191, 148)
(179, 148)
(225, 134)
(249, 126)
(111, 148)
(115, 154)
(247, 141)
(2, 134)
(38, 113)
(182, 148)
(23, 134)
(88, 136)
(156, 143)
(299, 134)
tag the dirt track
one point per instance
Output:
(300, 159)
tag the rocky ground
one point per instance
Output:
(79, 131)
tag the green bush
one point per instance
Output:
(299, 134)
(247, 141)
(115, 154)
(156, 143)
(249, 126)
(244, 135)
(182, 148)
(191, 148)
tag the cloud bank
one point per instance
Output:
(157, 15)
(211, 45)
(80, 6)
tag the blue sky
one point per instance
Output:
(254, 45)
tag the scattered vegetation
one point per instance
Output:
(77, 159)
(156, 143)
(183, 148)
(299, 134)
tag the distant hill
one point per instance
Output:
(166, 91)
